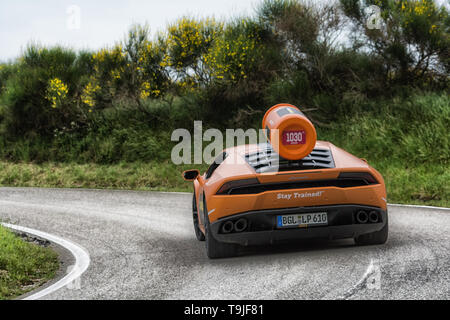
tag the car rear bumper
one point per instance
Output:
(262, 227)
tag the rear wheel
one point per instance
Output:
(216, 249)
(198, 233)
(378, 237)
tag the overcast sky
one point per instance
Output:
(102, 22)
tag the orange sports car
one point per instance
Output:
(275, 195)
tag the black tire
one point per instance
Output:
(378, 237)
(198, 233)
(214, 248)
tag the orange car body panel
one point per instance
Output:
(220, 206)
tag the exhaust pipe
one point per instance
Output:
(240, 225)
(373, 217)
(227, 227)
(362, 217)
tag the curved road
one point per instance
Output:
(142, 246)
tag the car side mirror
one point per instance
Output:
(191, 175)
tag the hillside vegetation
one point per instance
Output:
(378, 88)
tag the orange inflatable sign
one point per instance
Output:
(289, 131)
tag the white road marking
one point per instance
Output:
(360, 283)
(82, 260)
(414, 206)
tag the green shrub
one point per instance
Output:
(412, 130)
(41, 95)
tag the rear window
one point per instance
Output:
(217, 162)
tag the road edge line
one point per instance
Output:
(417, 206)
(81, 255)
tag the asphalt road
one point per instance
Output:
(142, 246)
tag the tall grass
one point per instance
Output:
(414, 130)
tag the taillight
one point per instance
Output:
(366, 176)
(228, 186)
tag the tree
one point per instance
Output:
(412, 37)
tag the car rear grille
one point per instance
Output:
(267, 160)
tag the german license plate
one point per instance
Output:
(302, 220)
(294, 137)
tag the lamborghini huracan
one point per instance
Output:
(266, 198)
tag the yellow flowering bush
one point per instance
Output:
(109, 64)
(234, 53)
(201, 51)
(89, 94)
(422, 20)
(145, 90)
(57, 92)
(148, 70)
(187, 42)
(114, 56)
(416, 8)
(131, 69)
(188, 39)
